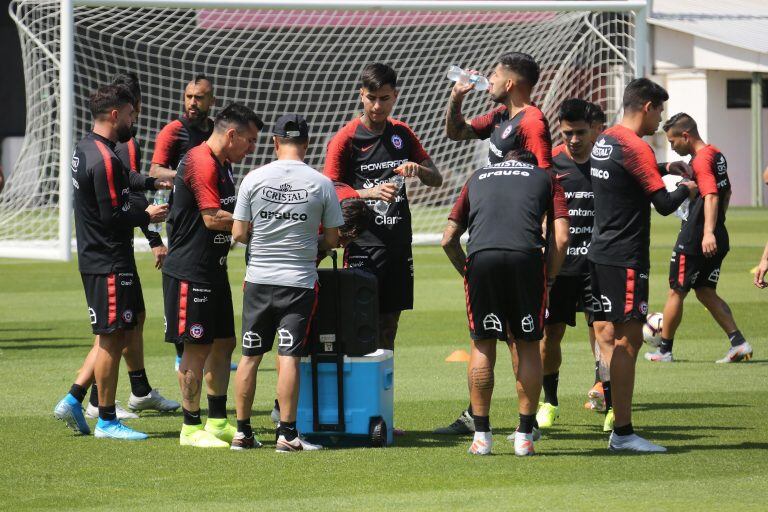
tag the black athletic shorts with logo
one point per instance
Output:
(285, 311)
(393, 268)
(197, 313)
(569, 295)
(619, 294)
(505, 291)
(114, 301)
(688, 271)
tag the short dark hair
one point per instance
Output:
(201, 76)
(377, 75)
(356, 216)
(642, 90)
(294, 141)
(596, 114)
(574, 110)
(523, 65)
(239, 115)
(130, 80)
(681, 122)
(109, 97)
(521, 155)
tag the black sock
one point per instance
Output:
(526, 423)
(624, 431)
(179, 349)
(469, 409)
(597, 371)
(277, 404)
(94, 399)
(244, 426)
(482, 423)
(192, 417)
(107, 412)
(549, 384)
(139, 383)
(666, 345)
(736, 338)
(607, 394)
(217, 406)
(287, 429)
(78, 392)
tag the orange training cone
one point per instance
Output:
(458, 356)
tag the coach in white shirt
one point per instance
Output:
(281, 206)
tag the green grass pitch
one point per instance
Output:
(712, 418)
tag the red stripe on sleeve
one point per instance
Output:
(629, 300)
(344, 191)
(132, 155)
(165, 143)
(639, 160)
(201, 174)
(183, 294)
(559, 203)
(338, 152)
(704, 171)
(560, 148)
(483, 125)
(111, 299)
(534, 134)
(110, 171)
(460, 211)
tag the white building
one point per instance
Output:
(707, 54)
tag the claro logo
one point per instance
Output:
(602, 150)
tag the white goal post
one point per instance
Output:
(300, 56)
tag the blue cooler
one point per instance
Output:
(368, 391)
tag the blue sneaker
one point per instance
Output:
(70, 411)
(178, 362)
(116, 430)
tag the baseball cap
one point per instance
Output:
(291, 126)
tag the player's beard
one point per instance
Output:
(124, 133)
(199, 119)
(134, 130)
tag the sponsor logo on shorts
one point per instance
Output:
(92, 315)
(695, 276)
(200, 299)
(221, 238)
(196, 331)
(397, 141)
(285, 338)
(126, 206)
(285, 194)
(714, 276)
(127, 316)
(492, 323)
(604, 304)
(602, 150)
(507, 132)
(526, 324)
(223, 261)
(643, 276)
(251, 340)
(201, 290)
(643, 308)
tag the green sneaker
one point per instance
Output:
(547, 414)
(197, 436)
(608, 424)
(221, 428)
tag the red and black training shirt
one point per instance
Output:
(196, 253)
(528, 129)
(624, 177)
(363, 159)
(176, 138)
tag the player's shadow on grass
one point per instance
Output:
(648, 406)
(711, 447)
(45, 347)
(26, 329)
(40, 338)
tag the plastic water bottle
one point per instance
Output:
(381, 207)
(160, 197)
(457, 74)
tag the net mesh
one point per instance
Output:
(300, 61)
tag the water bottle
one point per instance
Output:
(457, 74)
(381, 207)
(160, 197)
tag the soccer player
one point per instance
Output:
(198, 299)
(280, 207)
(105, 225)
(368, 154)
(702, 243)
(505, 278)
(625, 181)
(515, 123)
(571, 290)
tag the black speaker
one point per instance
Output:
(348, 312)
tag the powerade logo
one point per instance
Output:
(284, 195)
(602, 150)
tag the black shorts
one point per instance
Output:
(569, 294)
(505, 291)
(113, 301)
(688, 271)
(285, 311)
(619, 294)
(393, 268)
(197, 313)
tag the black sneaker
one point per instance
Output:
(464, 425)
(240, 442)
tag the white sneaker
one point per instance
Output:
(738, 353)
(93, 412)
(633, 443)
(523, 444)
(536, 435)
(154, 401)
(297, 445)
(481, 444)
(659, 357)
